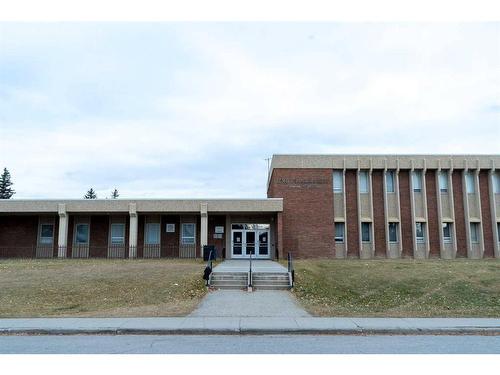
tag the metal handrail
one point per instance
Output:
(250, 272)
(291, 270)
(209, 266)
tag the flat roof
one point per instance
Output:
(267, 205)
(381, 161)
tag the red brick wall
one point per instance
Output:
(170, 241)
(378, 213)
(141, 219)
(99, 232)
(352, 226)
(307, 210)
(279, 236)
(217, 221)
(69, 247)
(489, 250)
(18, 236)
(432, 213)
(406, 221)
(459, 213)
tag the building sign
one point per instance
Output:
(303, 182)
(219, 229)
(170, 228)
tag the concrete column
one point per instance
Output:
(478, 200)
(386, 210)
(466, 211)
(412, 210)
(452, 209)
(493, 209)
(426, 215)
(372, 226)
(346, 250)
(439, 210)
(203, 225)
(358, 199)
(62, 238)
(133, 229)
(398, 202)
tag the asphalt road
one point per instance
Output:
(298, 344)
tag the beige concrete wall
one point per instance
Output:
(393, 251)
(365, 207)
(497, 205)
(392, 205)
(419, 204)
(340, 250)
(474, 212)
(366, 250)
(446, 210)
(448, 251)
(338, 205)
(421, 251)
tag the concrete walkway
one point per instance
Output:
(238, 304)
(250, 325)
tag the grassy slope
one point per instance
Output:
(33, 288)
(399, 287)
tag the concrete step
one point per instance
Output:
(229, 282)
(271, 287)
(284, 277)
(220, 277)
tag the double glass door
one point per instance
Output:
(250, 239)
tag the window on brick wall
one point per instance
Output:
(46, 234)
(188, 233)
(417, 180)
(389, 181)
(393, 232)
(117, 234)
(366, 232)
(339, 232)
(364, 185)
(447, 232)
(469, 182)
(474, 232)
(420, 232)
(152, 233)
(338, 181)
(443, 181)
(82, 234)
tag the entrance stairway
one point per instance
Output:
(266, 275)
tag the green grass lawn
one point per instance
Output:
(100, 287)
(398, 288)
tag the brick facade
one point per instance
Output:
(378, 213)
(307, 210)
(406, 220)
(458, 198)
(432, 214)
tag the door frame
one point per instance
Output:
(257, 244)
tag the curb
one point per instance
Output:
(493, 331)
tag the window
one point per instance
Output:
(496, 182)
(447, 232)
(188, 233)
(474, 232)
(363, 182)
(338, 181)
(389, 181)
(469, 182)
(393, 232)
(339, 232)
(117, 234)
(82, 234)
(365, 232)
(498, 232)
(152, 233)
(46, 234)
(420, 232)
(417, 180)
(443, 181)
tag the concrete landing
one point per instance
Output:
(242, 265)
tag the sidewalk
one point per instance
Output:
(250, 325)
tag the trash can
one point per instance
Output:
(206, 252)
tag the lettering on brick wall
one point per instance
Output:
(303, 182)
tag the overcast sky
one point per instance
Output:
(179, 110)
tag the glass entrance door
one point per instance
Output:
(250, 240)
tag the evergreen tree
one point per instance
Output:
(90, 194)
(6, 192)
(114, 194)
